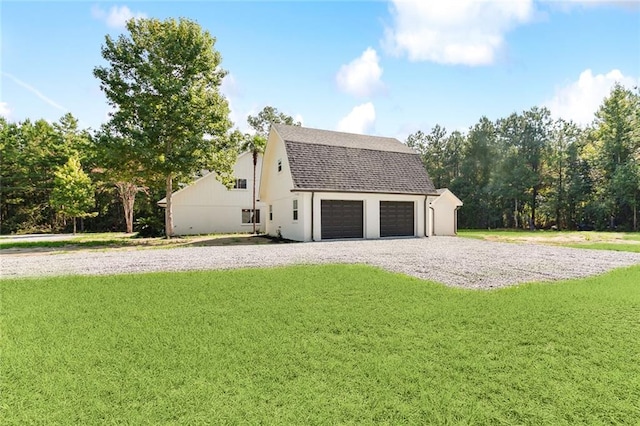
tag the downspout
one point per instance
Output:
(426, 216)
(312, 208)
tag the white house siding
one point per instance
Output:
(206, 206)
(276, 192)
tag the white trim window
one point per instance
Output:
(279, 165)
(295, 209)
(240, 184)
(247, 216)
(270, 212)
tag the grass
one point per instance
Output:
(635, 248)
(318, 345)
(618, 241)
(120, 240)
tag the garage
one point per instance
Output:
(341, 219)
(397, 218)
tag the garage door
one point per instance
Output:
(396, 218)
(341, 219)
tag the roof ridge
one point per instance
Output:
(335, 131)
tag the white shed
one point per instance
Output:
(444, 213)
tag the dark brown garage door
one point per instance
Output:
(396, 218)
(341, 219)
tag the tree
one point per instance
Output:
(30, 152)
(269, 115)
(473, 183)
(120, 169)
(616, 146)
(163, 79)
(72, 195)
(255, 145)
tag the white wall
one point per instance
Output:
(444, 219)
(276, 192)
(445, 210)
(206, 206)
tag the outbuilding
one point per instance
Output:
(321, 185)
(444, 213)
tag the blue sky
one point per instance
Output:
(379, 67)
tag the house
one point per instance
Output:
(321, 185)
(444, 212)
(206, 206)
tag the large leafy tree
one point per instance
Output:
(163, 79)
(73, 194)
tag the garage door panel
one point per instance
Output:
(341, 219)
(397, 218)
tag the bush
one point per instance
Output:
(149, 227)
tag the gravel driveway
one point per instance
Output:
(458, 262)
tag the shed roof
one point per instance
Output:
(324, 160)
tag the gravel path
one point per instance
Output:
(458, 262)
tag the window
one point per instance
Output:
(247, 216)
(279, 165)
(295, 209)
(270, 212)
(240, 184)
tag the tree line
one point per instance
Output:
(170, 123)
(530, 171)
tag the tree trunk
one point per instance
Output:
(533, 209)
(127, 193)
(74, 226)
(515, 213)
(168, 214)
(255, 163)
(559, 199)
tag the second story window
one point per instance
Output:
(279, 165)
(240, 184)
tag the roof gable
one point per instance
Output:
(446, 193)
(323, 160)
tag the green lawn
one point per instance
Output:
(317, 345)
(618, 241)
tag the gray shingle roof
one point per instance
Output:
(334, 161)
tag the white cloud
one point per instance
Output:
(117, 16)
(35, 91)
(579, 100)
(468, 32)
(359, 120)
(567, 5)
(361, 77)
(5, 111)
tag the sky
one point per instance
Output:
(385, 68)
